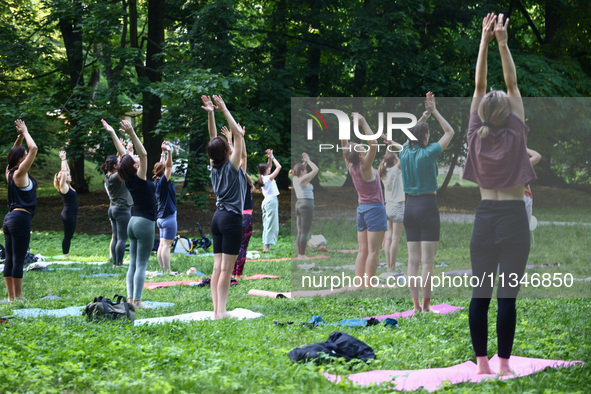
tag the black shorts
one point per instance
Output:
(421, 218)
(226, 231)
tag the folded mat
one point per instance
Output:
(261, 276)
(289, 258)
(155, 285)
(435, 378)
(237, 313)
(441, 309)
(301, 293)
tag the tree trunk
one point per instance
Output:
(441, 191)
(152, 104)
(72, 36)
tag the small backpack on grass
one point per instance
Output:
(104, 309)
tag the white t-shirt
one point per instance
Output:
(269, 186)
(393, 190)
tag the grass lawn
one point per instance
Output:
(72, 355)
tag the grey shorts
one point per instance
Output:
(167, 226)
(395, 211)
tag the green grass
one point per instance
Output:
(73, 355)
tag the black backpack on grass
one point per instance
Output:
(104, 309)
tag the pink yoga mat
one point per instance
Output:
(435, 378)
(155, 285)
(441, 309)
(261, 276)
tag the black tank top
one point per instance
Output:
(18, 198)
(70, 200)
(143, 193)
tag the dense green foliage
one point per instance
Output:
(93, 60)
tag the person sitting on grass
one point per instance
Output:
(69, 214)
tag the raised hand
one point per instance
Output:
(500, 29)
(241, 130)
(126, 127)
(221, 105)
(227, 133)
(305, 157)
(488, 23)
(107, 126)
(430, 102)
(21, 127)
(207, 104)
(269, 153)
(62, 155)
(129, 147)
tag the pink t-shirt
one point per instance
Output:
(499, 161)
(368, 191)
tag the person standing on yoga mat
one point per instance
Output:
(246, 212)
(120, 200)
(371, 213)
(304, 208)
(499, 163)
(166, 197)
(22, 201)
(229, 185)
(132, 169)
(270, 205)
(391, 175)
(418, 161)
(69, 214)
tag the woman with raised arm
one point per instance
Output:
(528, 198)
(304, 208)
(133, 170)
(391, 175)
(166, 197)
(418, 161)
(229, 185)
(246, 212)
(120, 200)
(69, 214)
(498, 162)
(22, 200)
(371, 213)
(270, 205)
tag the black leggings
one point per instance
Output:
(69, 229)
(500, 240)
(226, 231)
(17, 235)
(304, 214)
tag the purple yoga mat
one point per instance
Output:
(435, 378)
(441, 309)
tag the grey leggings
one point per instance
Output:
(304, 215)
(141, 241)
(119, 216)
